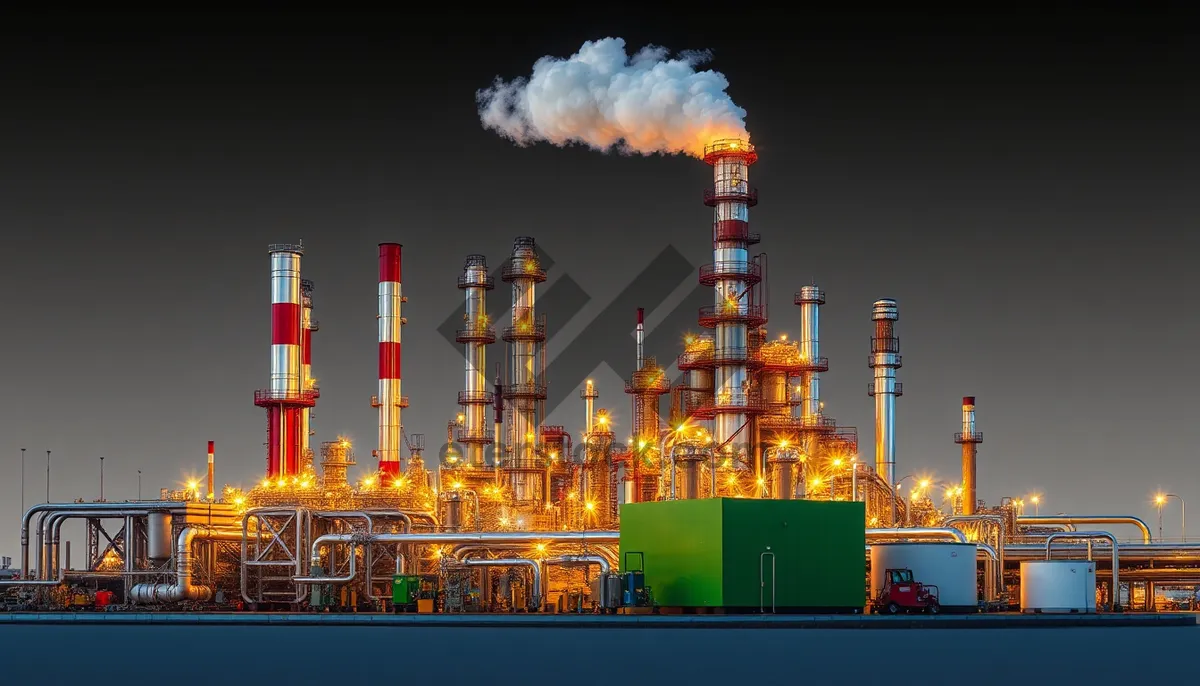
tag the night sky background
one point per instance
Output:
(1024, 186)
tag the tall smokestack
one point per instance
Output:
(389, 401)
(885, 360)
(525, 391)
(210, 472)
(810, 299)
(969, 439)
(498, 420)
(307, 326)
(286, 395)
(589, 395)
(641, 337)
(476, 334)
(733, 276)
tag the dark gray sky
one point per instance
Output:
(1023, 186)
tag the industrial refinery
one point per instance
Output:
(734, 491)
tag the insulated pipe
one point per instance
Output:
(534, 567)
(107, 509)
(389, 399)
(472, 537)
(885, 360)
(1041, 520)
(599, 560)
(995, 520)
(1172, 553)
(183, 588)
(917, 532)
(1116, 559)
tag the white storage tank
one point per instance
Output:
(1058, 586)
(159, 546)
(949, 566)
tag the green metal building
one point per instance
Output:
(745, 554)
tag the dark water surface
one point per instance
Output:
(277, 655)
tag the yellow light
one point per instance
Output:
(281, 483)
(590, 506)
(641, 445)
(837, 462)
(762, 481)
(602, 420)
(553, 455)
(1036, 499)
(369, 481)
(1159, 500)
(783, 337)
(456, 485)
(266, 483)
(924, 483)
(816, 481)
(192, 485)
(783, 443)
(461, 418)
(239, 501)
(541, 547)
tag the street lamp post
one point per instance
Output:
(1037, 502)
(139, 484)
(1182, 512)
(896, 498)
(22, 482)
(101, 479)
(47, 477)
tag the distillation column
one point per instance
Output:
(885, 360)
(810, 299)
(307, 326)
(525, 392)
(285, 397)
(389, 400)
(476, 334)
(733, 276)
(969, 439)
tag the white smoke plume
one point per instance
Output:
(600, 97)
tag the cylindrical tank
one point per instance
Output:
(949, 566)
(453, 511)
(158, 536)
(1058, 586)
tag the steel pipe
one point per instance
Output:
(1089, 536)
(1001, 535)
(183, 588)
(564, 560)
(917, 532)
(1041, 520)
(534, 568)
(109, 509)
(1130, 552)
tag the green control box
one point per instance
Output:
(745, 554)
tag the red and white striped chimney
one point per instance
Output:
(283, 399)
(389, 400)
(210, 471)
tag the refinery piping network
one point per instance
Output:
(523, 519)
